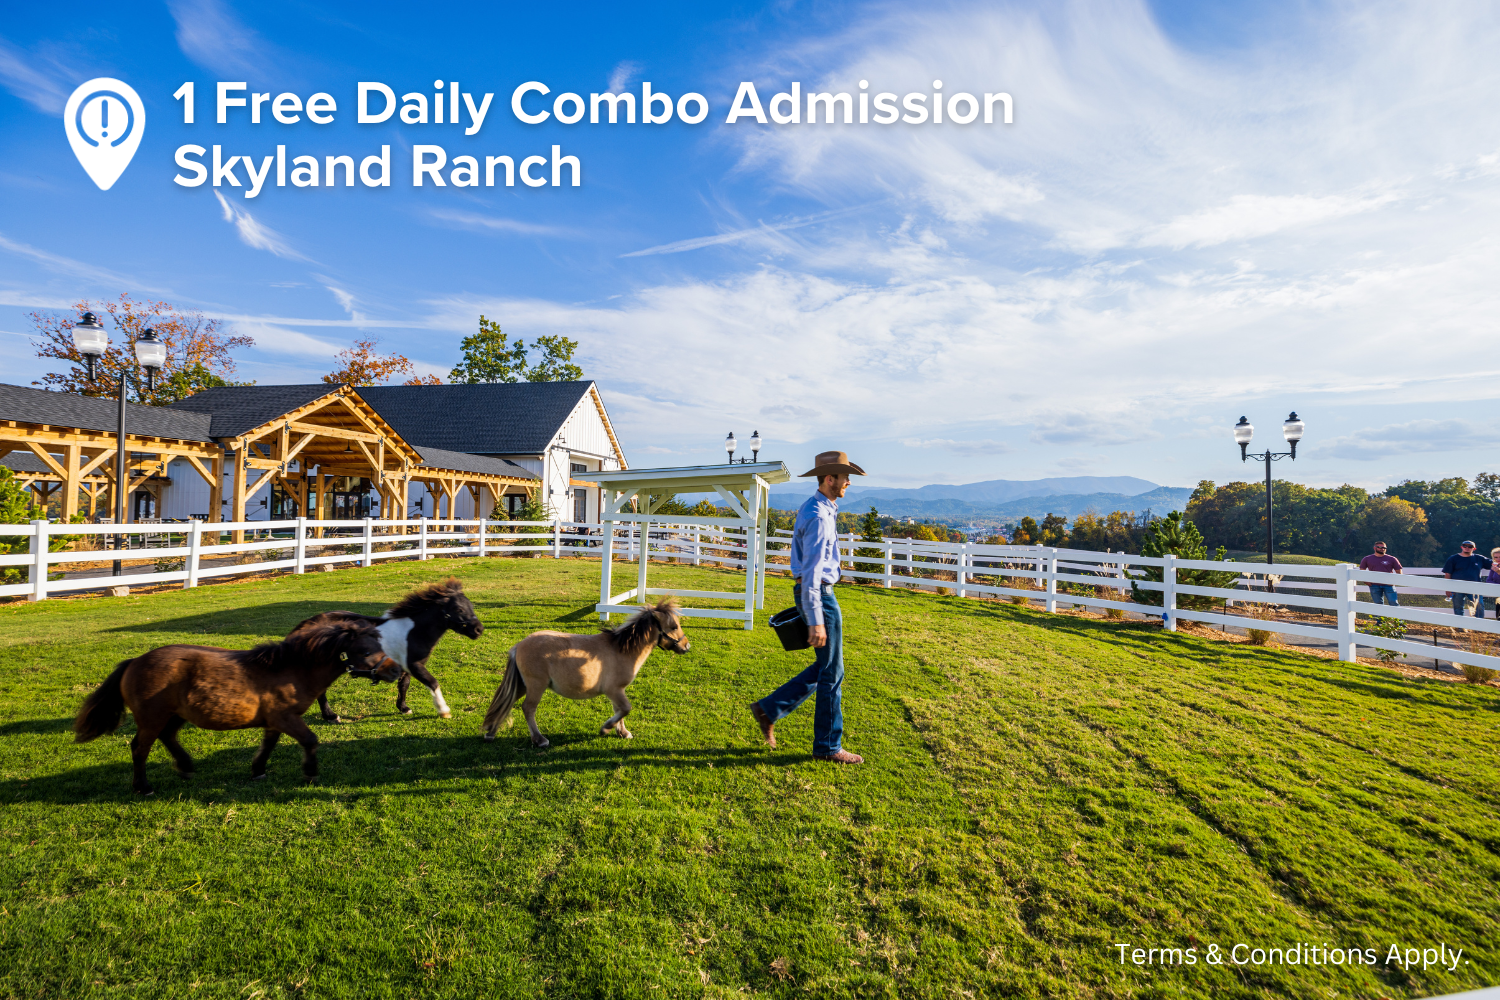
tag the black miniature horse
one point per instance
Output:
(409, 631)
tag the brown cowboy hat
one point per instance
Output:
(833, 463)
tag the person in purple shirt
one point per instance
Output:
(1494, 575)
(1379, 562)
(815, 568)
(1466, 565)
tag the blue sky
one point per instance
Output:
(1200, 211)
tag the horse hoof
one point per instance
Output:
(489, 737)
(541, 744)
(333, 718)
(445, 715)
(406, 711)
(148, 790)
(257, 777)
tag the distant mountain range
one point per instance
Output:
(1004, 499)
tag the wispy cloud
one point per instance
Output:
(1412, 437)
(763, 229)
(38, 81)
(623, 73)
(211, 35)
(76, 268)
(968, 448)
(253, 234)
(493, 223)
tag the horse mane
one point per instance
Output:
(640, 629)
(309, 641)
(432, 593)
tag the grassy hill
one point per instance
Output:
(1040, 790)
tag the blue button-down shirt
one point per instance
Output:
(815, 553)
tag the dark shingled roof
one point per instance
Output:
(498, 418)
(437, 458)
(235, 409)
(92, 413)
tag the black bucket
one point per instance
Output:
(791, 629)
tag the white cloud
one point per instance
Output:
(623, 73)
(280, 340)
(475, 221)
(210, 34)
(1247, 216)
(39, 81)
(1412, 437)
(764, 229)
(253, 234)
(78, 269)
(967, 448)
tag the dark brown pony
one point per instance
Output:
(409, 632)
(268, 687)
(584, 666)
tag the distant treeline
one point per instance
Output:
(1420, 521)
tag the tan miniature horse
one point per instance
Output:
(267, 687)
(584, 666)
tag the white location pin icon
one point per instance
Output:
(105, 120)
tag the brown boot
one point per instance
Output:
(767, 727)
(842, 757)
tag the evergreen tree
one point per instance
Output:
(869, 531)
(1176, 535)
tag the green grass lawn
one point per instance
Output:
(1040, 789)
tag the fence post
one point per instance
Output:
(484, 527)
(369, 544)
(697, 547)
(299, 551)
(1169, 595)
(195, 553)
(1049, 561)
(888, 560)
(422, 539)
(959, 576)
(38, 561)
(1348, 625)
(556, 538)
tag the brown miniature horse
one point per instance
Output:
(584, 666)
(269, 687)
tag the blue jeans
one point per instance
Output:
(825, 676)
(1384, 593)
(1458, 604)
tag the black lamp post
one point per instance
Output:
(730, 444)
(1291, 429)
(151, 354)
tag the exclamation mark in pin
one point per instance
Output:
(105, 120)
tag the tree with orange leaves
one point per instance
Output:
(198, 349)
(362, 365)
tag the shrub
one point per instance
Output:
(1387, 628)
(1175, 535)
(869, 531)
(1262, 636)
(1479, 675)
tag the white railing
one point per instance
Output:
(969, 569)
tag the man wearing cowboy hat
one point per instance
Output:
(815, 569)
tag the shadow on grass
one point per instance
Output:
(35, 726)
(390, 765)
(280, 617)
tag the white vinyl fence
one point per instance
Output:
(969, 569)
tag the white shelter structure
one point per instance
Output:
(744, 487)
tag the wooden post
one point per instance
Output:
(1169, 594)
(1348, 623)
(216, 490)
(237, 498)
(195, 554)
(644, 557)
(607, 528)
(38, 561)
(72, 462)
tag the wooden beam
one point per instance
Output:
(46, 459)
(322, 430)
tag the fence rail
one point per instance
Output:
(969, 569)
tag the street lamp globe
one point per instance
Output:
(1243, 432)
(755, 445)
(1292, 428)
(730, 444)
(150, 351)
(90, 339)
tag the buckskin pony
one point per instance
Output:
(268, 687)
(410, 631)
(584, 666)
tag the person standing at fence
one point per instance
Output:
(1494, 577)
(815, 569)
(1379, 562)
(1466, 565)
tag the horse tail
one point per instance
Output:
(102, 711)
(511, 688)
